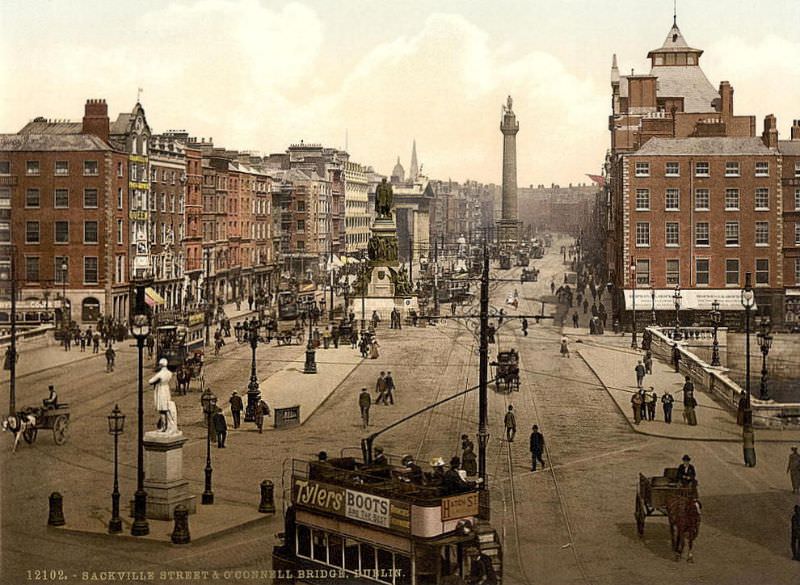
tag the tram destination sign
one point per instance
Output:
(459, 506)
(352, 504)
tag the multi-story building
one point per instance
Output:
(168, 180)
(356, 200)
(66, 185)
(556, 208)
(790, 182)
(193, 234)
(696, 196)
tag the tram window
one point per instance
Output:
(385, 561)
(304, 541)
(351, 555)
(402, 565)
(335, 545)
(367, 557)
(320, 546)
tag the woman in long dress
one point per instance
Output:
(373, 350)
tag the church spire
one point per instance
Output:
(414, 170)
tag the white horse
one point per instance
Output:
(18, 424)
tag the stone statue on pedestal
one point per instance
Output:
(163, 399)
(383, 200)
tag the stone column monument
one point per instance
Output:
(508, 224)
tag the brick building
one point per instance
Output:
(67, 188)
(790, 182)
(695, 197)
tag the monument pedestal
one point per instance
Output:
(164, 482)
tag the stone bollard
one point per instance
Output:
(267, 505)
(180, 534)
(56, 517)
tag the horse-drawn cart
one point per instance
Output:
(507, 370)
(54, 418)
(190, 369)
(666, 496)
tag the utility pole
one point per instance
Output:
(483, 383)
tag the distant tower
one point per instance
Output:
(508, 222)
(413, 172)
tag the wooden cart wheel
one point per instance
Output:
(29, 434)
(60, 430)
(640, 515)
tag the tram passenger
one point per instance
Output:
(380, 459)
(436, 476)
(413, 472)
(452, 480)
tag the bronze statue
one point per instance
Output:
(383, 200)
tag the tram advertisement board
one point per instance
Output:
(459, 506)
(351, 504)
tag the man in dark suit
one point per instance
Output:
(686, 472)
(536, 447)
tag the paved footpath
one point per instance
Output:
(614, 366)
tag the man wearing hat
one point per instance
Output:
(481, 571)
(236, 408)
(413, 472)
(380, 458)
(452, 481)
(686, 472)
(364, 402)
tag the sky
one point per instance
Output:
(373, 75)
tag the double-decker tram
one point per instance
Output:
(365, 523)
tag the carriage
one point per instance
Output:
(529, 275)
(505, 261)
(507, 370)
(55, 418)
(654, 494)
(190, 369)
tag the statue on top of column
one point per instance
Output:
(509, 103)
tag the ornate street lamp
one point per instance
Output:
(116, 424)
(311, 363)
(676, 296)
(748, 435)
(253, 392)
(765, 343)
(653, 303)
(634, 344)
(716, 319)
(209, 401)
(140, 328)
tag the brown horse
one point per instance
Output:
(684, 523)
(183, 376)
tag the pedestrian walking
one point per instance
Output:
(236, 408)
(250, 302)
(96, 343)
(793, 469)
(552, 287)
(353, 338)
(689, 414)
(639, 369)
(66, 340)
(796, 533)
(575, 319)
(364, 402)
(380, 389)
(390, 388)
(453, 308)
(220, 427)
(375, 319)
(510, 422)
(652, 402)
(688, 392)
(536, 447)
(262, 410)
(643, 407)
(150, 342)
(373, 350)
(110, 356)
(83, 342)
(740, 409)
(676, 357)
(648, 362)
(525, 327)
(564, 348)
(636, 404)
(666, 404)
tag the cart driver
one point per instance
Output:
(52, 400)
(686, 472)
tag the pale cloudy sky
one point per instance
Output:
(260, 74)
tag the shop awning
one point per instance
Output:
(152, 298)
(698, 299)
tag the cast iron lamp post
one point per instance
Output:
(676, 296)
(116, 424)
(716, 319)
(311, 363)
(764, 342)
(140, 327)
(653, 303)
(209, 401)
(634, 344)
(748, 435)
(253, 393)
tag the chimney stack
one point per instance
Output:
(796, 130)
(770, 135)
(726, 98)
(95, 119)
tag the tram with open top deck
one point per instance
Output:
(360, 523)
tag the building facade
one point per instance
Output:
(356, 200)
